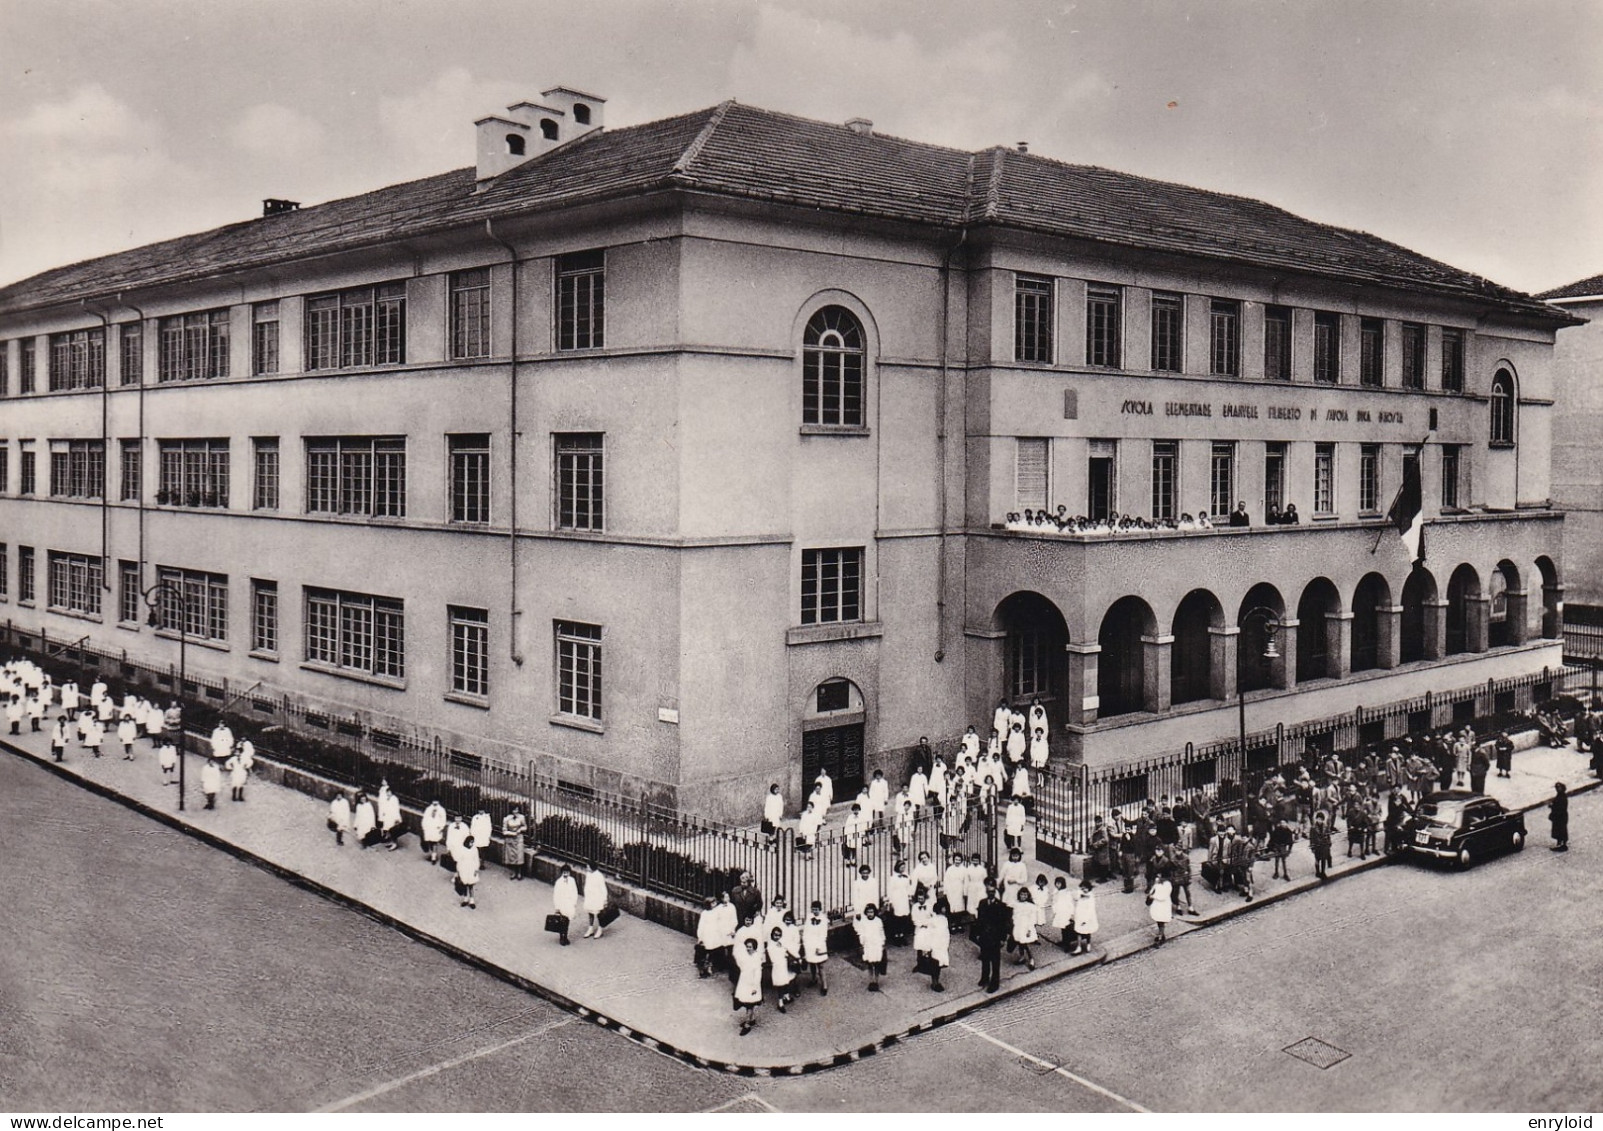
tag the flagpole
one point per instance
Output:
(1381, 533)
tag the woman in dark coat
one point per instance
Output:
(1559, 814)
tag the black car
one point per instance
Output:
(1463, 827)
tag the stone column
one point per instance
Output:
(1518, 616)
(1223, 646)
(1283, 669)
(1083, 668)
(1478, 623)
(1389, 636)
(1155, 671)
(1435, 642)
(1338, 645)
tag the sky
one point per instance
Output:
(1468, 130)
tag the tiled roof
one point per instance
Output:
(1582, 288)
(743, 151)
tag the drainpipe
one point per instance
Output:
(514, 612)
(140, 502)
(105, 447)
(941, 440)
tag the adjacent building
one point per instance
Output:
(1577, 440)
(680, 458)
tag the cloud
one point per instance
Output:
(431, 129)
(90, 113)
(271, 130)
(969, 92)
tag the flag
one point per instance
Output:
(1407, 512)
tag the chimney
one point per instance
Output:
(1023, 147)
(860, 126)
(272, 207)
(528, 129)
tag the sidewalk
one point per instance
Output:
(639, 978)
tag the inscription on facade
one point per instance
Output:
(1140, 407)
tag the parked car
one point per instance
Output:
(1463, 827)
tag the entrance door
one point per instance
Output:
(837, 750)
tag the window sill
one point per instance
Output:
(74, 614)
(826, 633)
(1370, 516)
(482, 702)
(26, 604)
(193, 641)
(354, 676)
(1325, 518)
(834, 430)
(257, 654)
(577, 722)
(1500, 444)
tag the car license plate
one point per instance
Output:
(1421, 838)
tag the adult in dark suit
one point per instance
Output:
(993, 920)
(1558, 813)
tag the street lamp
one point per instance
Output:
(1270, 652)
(153, 598)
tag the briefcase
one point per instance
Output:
(1211, 876)
(608, 916)
(926, 964)
(556, 923)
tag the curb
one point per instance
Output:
(657, 1044)
(832, 1059)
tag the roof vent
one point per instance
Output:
(528, 129)
(272, 207)
(860, 126)
(1023, 147)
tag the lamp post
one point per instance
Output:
(153, 598)
(1270, 652)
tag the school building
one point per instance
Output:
(679, 458)
(1577, 444)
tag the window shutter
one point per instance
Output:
(1032, 474)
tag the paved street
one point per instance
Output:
(150, 971)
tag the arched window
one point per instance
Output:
(1503, 408)
(581, 113)
(515, 145)
(548, 129)
(832, 369)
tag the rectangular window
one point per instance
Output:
(131, 343)
(1450, 473)
(77, 469)
(1277, 343)
(581, 300)
(264, 473)
(1102, 326)
(832, 585)
(1222, 478)
(192, 473)
(5, 571)
(1168, 331)
(193, 347)
(470, 477)
(1102, 479)
(470, 313)
(1031, 473)
(579, 670)
(1165, 478)
(358, 475)
(264, 616)
(5, 467)
(133, 466)
(1369, 478)
(75, 583)
(128, 599)
(361, 327)
(28, 353)
(580, 486)
(264, 338)
(78, 359)
(1274, 477)
(27, 468)
(1413, 336)
(5, 369)
(1327, 348)
(1032, 319)
(1371, 351)
(470, 651)
(1453, 361)
(1224, 336)
(356, 632)
(1324, 478)
(195, 599)
(25, 574)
